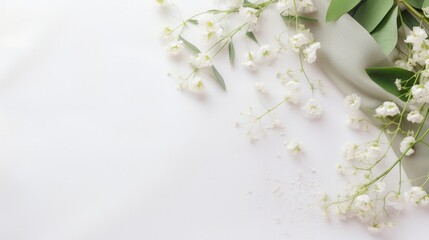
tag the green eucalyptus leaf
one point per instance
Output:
(218, 78)
(425, 4)
(385, 78)
(338, 8)
(289, 19)
(415, 3)
(191, 46)
(231, 52)
(372, 12)
(386, 33)
(409, 20)
(252, 36)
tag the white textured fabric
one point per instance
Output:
(97, 144)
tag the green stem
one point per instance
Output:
(414, 11)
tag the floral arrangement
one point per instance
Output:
(400, 27)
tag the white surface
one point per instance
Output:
(96, 142)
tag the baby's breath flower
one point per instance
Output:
(417, 196)
(363, 203)
(294, 7)
(395, 201)
(202, 60)
(209, 26)
(376, 228)
(293, 90)
(312, 109)
(310, 52)
(250, 62)
(355, 121)
(350, 152)
(420, 93)
(266, 54)
(293, 147)
(167, 33)
(415, 117)
(174, 47)
(406, 64)
(406, 143)
(301, 39)
(286, 7)
(260, 87)
(371, 153)
(416, 37)
(398, 84)
(195, 85)
(249, 15)
(352, 102)
(387, 109)
(306, 6)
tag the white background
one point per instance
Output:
(96, 142)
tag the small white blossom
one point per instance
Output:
(310, 52)
(363, 203)
(350, 151)
(260, 87)
(376, 228)
(250, 62)
(352, 102)
(408, 65)
(202, 60)
(195, 85)
(398, 84)
(174, 47)
(167, 33)
(395, 201)
(416, 37)
(387, 109)
(293, 147)
(312, 109)
(266, 54)
(420, 93)
(355, 121)
(306, 6)
(341, 169)
(249, 15)
(209, 26)
(301, 39)
(406, 143)
(286, 7)
(293, 90)
(292, 7)
(417, 196)
(415, 117)
(371, 153)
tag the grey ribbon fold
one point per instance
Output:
(347, 50)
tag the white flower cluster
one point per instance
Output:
(420, 46)
(354, 117)
(265, 55)
(303, 42)
(295, 7)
